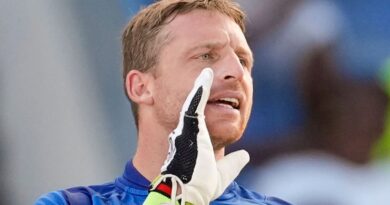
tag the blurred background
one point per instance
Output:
(318, 133)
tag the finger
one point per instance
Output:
(187, 129)
(229, 167)
(197, 99)
(191, 111)
(185, 143)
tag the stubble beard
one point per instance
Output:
(168, 112)
(220, 140)
(169, 120)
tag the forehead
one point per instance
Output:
(200, 26)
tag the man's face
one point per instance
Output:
(197, 40)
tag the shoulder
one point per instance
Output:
(251, 195)
(52, 198)
(85, 195)
(236, 194)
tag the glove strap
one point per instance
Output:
(164, 189)
(167, 185)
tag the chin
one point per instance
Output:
(222, 136)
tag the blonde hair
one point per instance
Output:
(142, 40)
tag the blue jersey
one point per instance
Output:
(132, 188)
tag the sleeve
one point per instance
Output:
(52, 198)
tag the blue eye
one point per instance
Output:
(206, 56)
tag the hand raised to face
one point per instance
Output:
(191, 162)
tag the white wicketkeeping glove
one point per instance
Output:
(191, 163)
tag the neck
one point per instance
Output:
(152, 150)
(219, 154)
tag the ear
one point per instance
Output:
(137, 87)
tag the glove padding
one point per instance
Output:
(191, 162)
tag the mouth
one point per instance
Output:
(232, 103)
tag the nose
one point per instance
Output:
(230, 69)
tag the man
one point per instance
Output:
(166, 46)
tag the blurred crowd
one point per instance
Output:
(320, 128)
(317, 131)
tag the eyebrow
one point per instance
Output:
(241, 51)
(208, 45)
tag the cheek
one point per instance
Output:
(249, 90)
(249, 101)
(168, 102)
